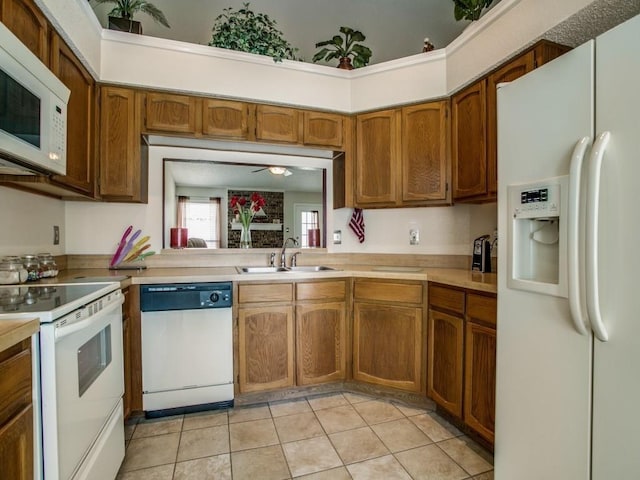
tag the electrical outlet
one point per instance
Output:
(56, 235)
(337, 237)
(414, 236)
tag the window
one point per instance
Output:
(309, 221)
(201, 218)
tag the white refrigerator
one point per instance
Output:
(568, 334)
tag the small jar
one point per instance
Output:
(48, 265)
(12, 271)
(34, 271)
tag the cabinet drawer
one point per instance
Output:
(321, 290)
(275, 292)
(15, 384)
(446, 298)
(482, 308)
(388, 292)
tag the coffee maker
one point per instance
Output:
(481, 260)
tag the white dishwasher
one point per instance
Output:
(187, 347)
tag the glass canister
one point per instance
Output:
(48, 265)
(12, 271)
(32, 264)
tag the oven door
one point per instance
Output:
(82, 383)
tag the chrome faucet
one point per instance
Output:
(294, 259)
(283, 258)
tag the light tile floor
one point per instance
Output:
(325, 437)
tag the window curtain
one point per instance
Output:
(214, 208)
(181, 221)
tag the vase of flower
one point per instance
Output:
(245, 209)
(245, 236)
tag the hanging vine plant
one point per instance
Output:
(469, 9)
(245, 31)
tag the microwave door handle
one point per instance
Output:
(66, 330)
(574, 257)
(593, 215)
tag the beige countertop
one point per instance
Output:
(14, 331)
(486, 282)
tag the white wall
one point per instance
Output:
(443, 230)
(26, 223)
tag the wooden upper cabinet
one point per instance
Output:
(81, 118)
(425, 166)
(323, 129)
(170, 113)
(507, 73)
(123, 174)
(469, 136)
(277, 124)
(27, 22)
(377, 158)
(225, 118)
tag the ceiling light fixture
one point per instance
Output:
(278, 170)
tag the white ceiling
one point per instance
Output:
(210, 174)
(394, 28)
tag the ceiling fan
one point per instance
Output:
(275, 171)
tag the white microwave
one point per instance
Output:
(33, 112)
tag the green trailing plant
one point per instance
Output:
(344, 47)
(246, 31)
(126, 9)
(469, 9)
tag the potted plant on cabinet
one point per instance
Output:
(345, 48)
(469, 9)
(245, 31)
(121, 17)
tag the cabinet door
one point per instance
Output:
(122, 169)
(224, 118)
(469, 134)
(170, 113)
(377, 158)
(27, 22)
(445, 353)
(480, 379)
(323, 129)
(387, 346)
(509, 72)
(425, 164)
(320, 343)
(16, 446)
(81, 118)
(277, 124)
(265, 348)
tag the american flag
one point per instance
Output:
(357, 223)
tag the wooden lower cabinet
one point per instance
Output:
(265, 347)
(320, 343)
(16, 412)
(446, 343)
(388, 333)
(462, 355)
(480, 379)
(387, 345)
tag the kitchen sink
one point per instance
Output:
(310, 268)
(301, 268)
(261, 269)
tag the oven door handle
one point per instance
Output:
(66, 330)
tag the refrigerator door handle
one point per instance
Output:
(575, 264)
(593, 214)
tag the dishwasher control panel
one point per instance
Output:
(185, 296)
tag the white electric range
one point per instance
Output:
(78, 376)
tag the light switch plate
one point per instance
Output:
(56, 235)
(337, 237)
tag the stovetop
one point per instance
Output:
(48, 301)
